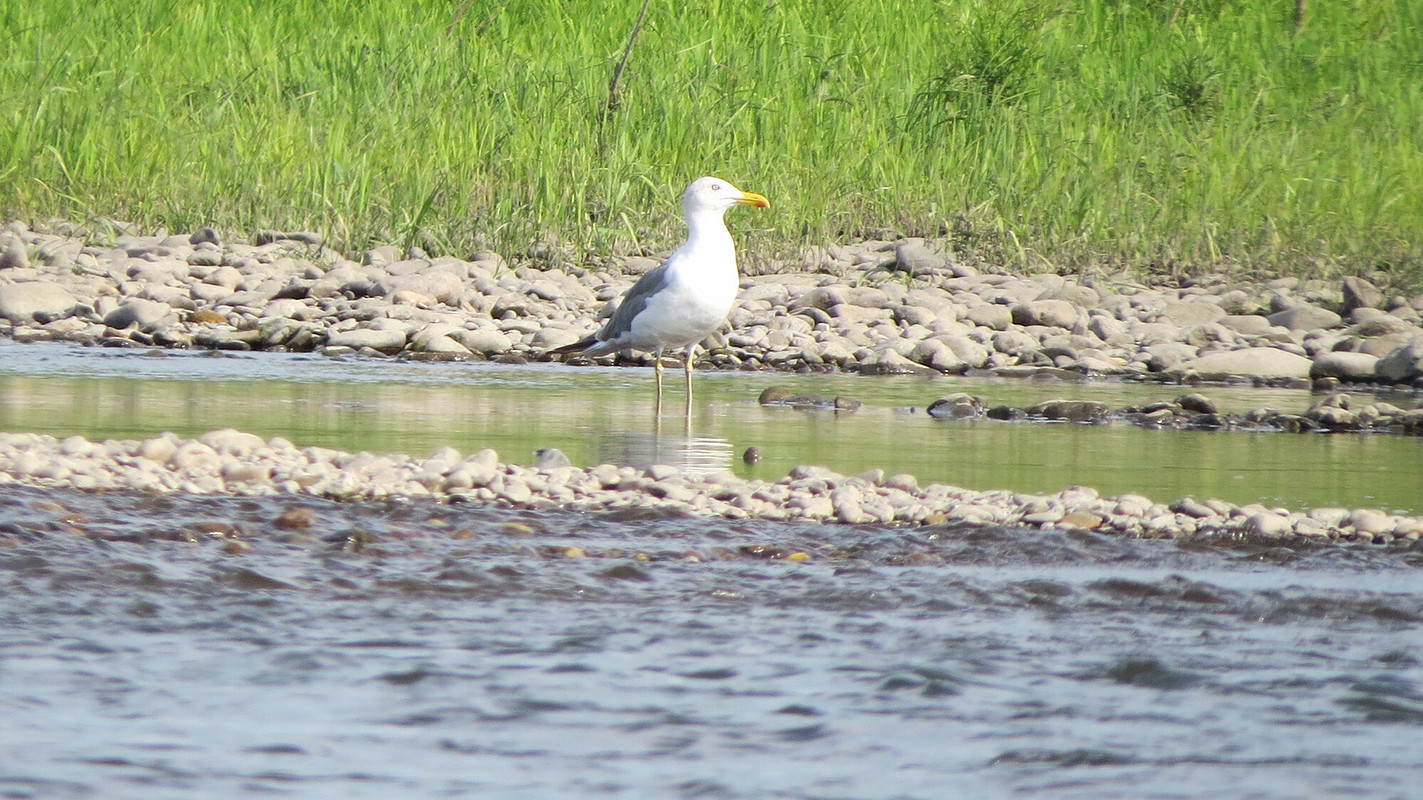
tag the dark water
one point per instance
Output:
(187, 647)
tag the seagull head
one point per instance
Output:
(715, 194)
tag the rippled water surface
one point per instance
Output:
(157, 646)
(166, 647)
(600, 415)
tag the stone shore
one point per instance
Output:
(878, 307)
(234, 462)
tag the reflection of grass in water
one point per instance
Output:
(1167, 134)
(595, 416)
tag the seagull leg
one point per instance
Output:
(657, 369)
(687, 367)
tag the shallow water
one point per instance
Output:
(600, 415)
(424, 650)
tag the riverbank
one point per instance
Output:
(234, 462)
(906, 306)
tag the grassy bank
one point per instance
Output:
(1164, 135)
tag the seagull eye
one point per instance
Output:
(716, 187)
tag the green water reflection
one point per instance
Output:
(603, 414)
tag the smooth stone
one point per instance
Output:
(1402, 365)
(13, 254)
(1071, 410)
(1049, 313)
(484, 341)
(1345, 366)
(23, 302)
(1305, 318)
(1247, 324)
(138, 313)
(990, 315)
(1359, 293)
(1250, 362)
(956, 406)
(1188, 314)
(1264, 523)
(386, 341)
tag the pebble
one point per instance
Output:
(929, 314)
(236, 462)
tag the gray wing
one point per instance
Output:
(651, 282)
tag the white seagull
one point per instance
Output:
(683, 301)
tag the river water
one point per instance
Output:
(155, 647)
(425, 650)
(598, 415)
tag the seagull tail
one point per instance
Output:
(576, 347)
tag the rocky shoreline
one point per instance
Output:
(234, 462)
(876, 307)
(926, 314)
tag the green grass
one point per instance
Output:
(1161, 136)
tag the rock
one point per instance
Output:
(1071, 410)
(1359, 293)
(1189, 314)
(1369, 521)
(484, 341)
(918, 260)
(1305, 318)
(1197, 403)
(990, 315)
(1051, 313)
(142, 314)
(24, 302)
(937, 354)
(1250, 362)
(1346, 366)
(386, 341)
(1264, 523)
(956, 406)
(443, 286)
(888, 361)
(550, 458)
(1247, 324)
(1402, 365)
(13, 254)
(205, 236)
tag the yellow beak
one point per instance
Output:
(753, 199)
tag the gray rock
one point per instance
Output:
(1250, 362)
(990, 315)
(1345, 366)
(550, 458)
(204, 236)
(1014, 343)
(439, 284)
(23, 302)
(484, 341)
(888, 361)
(1071, 410)
(13, 254)
(916, 259)
(1305, 318)
(1359, 293)
(1188, 314)
(1052, 313)
(386, 341)
(956, 406)
(937, 354)
(1247, 324)
(138, 313)
(1264, 523)
(1403, 365)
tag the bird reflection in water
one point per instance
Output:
(680, 449)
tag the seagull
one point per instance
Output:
(685, 300)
